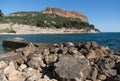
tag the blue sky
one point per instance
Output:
(104, 14)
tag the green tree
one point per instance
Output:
(92, 26)
(1, 14)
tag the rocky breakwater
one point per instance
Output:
(86, 61)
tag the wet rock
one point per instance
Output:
(71, 68)
(30, 49)
(14, 44)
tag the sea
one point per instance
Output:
(112, 40)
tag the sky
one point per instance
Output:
(104, 14)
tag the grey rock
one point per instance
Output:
(93, 74)
(105, 65)
(54, 50)
(117, 67)
(63, 50)
(87, 45)
(72, 50)
(94, 45)
(72, 68)
(69, 44)
(114, 78)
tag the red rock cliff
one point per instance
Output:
(60, 12)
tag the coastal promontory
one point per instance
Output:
(49, 20)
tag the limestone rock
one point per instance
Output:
(12, 73)
(36, 62)
(50, 58)
(29, 50)
(72, 68)
(60, 12)
(72, 50)
(69, 44)
(2, 76)
(2, 64)
(22, 67)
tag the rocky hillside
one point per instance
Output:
(51, 18)
(63, 13)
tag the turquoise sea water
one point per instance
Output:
(106, 39)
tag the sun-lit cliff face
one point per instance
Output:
(61, 12)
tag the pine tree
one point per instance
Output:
(1, 14)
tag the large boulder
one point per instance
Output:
(71, 68)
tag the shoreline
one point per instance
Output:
(3, 34)
(28, 29)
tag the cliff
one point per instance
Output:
(51, 18)
(63, 13)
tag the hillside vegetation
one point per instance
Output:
(46, 20)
